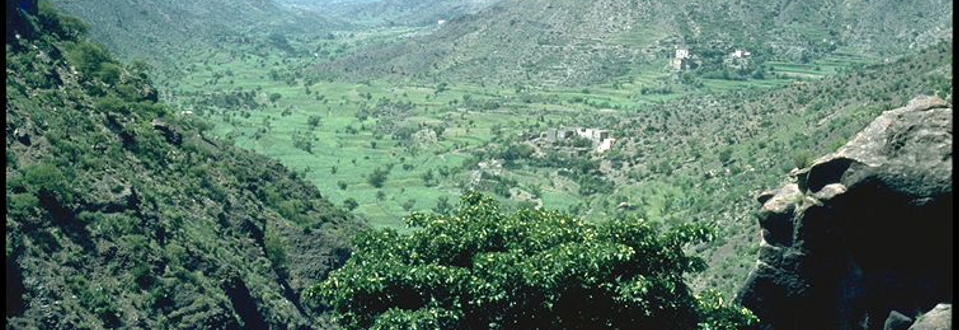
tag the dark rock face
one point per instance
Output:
(863, 231)
(16, 20)
(897, 321)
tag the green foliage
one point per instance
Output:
(47, 180)
(378, 177)
(314, 121)
(802, 159)
(483, 269)
(303, 141)
(409, 204)
(443, 206)
(275, 97)
(351, 204)
(136, 217)
(726, 155)
(62, 26)
(21, 205)
(516, 152)
(97, 300)
(273, 244)
(90, 59)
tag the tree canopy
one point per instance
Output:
(481, 268)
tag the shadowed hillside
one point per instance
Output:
(121, 214)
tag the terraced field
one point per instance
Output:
(352, 140)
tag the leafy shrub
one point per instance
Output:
(63, 26)
(275, 251)
(88, 57)
(351, 204)
(378, 177)
(409, 204)
(483, 269)
(21, 205)
(314, 121)
(275, 97)
(802, 159)
(47, 180)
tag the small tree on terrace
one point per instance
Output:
(378, 177)
(483, 269)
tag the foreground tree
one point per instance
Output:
(482, 269)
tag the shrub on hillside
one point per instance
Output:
(378, 177)
(483, 269)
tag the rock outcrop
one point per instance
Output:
(864, 231)
(939, 318)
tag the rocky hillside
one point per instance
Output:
(713, 153)
(862, 238)
(546, 42)
(122, 214)
(393, 12)
(415, 12)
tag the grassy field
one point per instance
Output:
(350, 142)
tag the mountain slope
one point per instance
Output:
(393, 12)
(544, 42)
(121, 214)
(721, 150)
(416, 12)
(160, 31)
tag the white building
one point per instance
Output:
(605, 145)
(682, 60)
(739, 53)
(597, 135)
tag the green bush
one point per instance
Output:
(351, 204)
(108, 73)
(802, 159)
(88, 57)
(64, 26)
(47, 180)
(21, 205)
(275, 251)
(483, 269)
(378, 177)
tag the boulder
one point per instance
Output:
(939, 318)
(897, 321)
(863, 231)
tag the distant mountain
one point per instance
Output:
(552, 42)
(122, 214)
(158, 30)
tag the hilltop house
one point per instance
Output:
(684, 60)
(739, 53)
(600, 138)
(593, 134)
(738, 60)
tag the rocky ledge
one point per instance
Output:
(862, 239)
